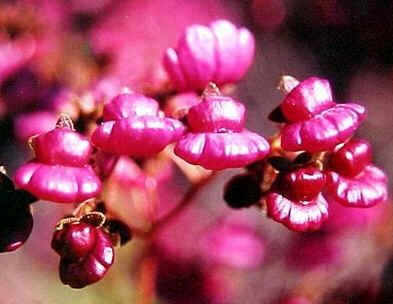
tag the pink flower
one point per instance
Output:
(86, 254)
(352, 181)
(295, 199)
(218, 139)
(133, 126)
(220, 53)
(297, 216)
(315, 122)
(60, 172)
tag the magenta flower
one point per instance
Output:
(220, 53)
(86, 254)
(218, 139)
(314, 121)
(133, 126)
(295, 199)
(60, 171)
(352, 181)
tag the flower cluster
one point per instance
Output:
(124, 136)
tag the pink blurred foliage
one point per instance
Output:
(126, 35)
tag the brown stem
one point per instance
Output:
(147, 280)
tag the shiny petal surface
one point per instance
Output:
(218, 151)
(79, 273)
(196, 52)
(352, 158)
(364, 190)
(215, 114)
(221, 53)
(308, 98)
(58, 183)
(174, 70)
(297, 216)
(138, 136)
(129, 105)
(245, 54)
(226, 35)
(323, 131)
(62, 146)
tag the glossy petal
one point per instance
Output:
(75, 241)
(218, 151)
(58, 183)
(196, 52)
(217, 114)
(80, 272)
(226, 35)
(308, 98)
(172, 67)
(129, 105)
(352, 158)
(62, 146)
(323, 131)
(297, 216)
(364, 190)
(220, 53)
(138, 136)
(245, 54)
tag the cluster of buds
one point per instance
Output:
(312, 160)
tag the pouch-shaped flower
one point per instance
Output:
(352, 180)
(134, 126)
(220, 53)
(60, 172)
(217, 138)
(314, 122)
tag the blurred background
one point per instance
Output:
(209, 253)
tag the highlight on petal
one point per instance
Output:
(137, 136)
(366, 189)
(323, 131)
(308, 98)
(196, 52)
(58, 183)
(217, 151)
(220, 53)
(134, 126)
(128, 105)
(298, 216)
(217, 114)
(62, 146)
